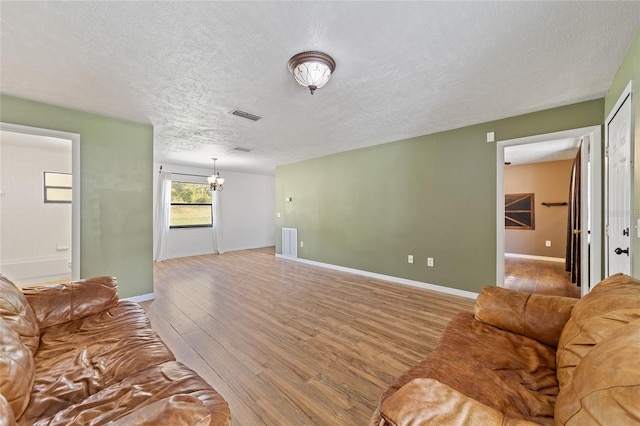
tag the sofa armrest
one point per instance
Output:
(538, 316)
(59, 303)
(173, 410)
(427, 401)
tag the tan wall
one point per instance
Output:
(550, 183)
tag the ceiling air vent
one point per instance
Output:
(245, 114)
(241, 149)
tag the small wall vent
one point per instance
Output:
(245, 114)
(290, 242)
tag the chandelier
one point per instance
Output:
(312, 69)
(215, 181)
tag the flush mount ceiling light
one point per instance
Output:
(215, 181)
(312, 69)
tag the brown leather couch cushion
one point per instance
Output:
(18, 313)
(605, 387)
(173, 410)
(609, 306)
(508, 372)
(429, 402)
(540, 317)
(137, 397)
(79, 358)
(17, 369)
(6, 413)
(55, 304)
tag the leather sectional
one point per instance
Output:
(529, 359)
(76, 354)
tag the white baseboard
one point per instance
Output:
(397, 280)
(532, 257)
(141, 298)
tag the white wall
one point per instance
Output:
(35, 237)
(248, 213)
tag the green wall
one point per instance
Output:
(630, 70)
(430, 196)
(116, 189)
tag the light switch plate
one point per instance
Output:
(491, 136)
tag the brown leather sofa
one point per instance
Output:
(75, 354)
(529, 359)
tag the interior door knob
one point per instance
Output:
(620, 251)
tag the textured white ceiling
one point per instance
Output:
(403, 68)
(554, 150)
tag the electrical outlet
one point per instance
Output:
(410, 258)
(548, 243)
(301, 243)
(430, 261)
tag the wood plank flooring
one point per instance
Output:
(538, 276)
(292, 344)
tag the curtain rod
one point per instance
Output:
(188, 174)
(183, 174)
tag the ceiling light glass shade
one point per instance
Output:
(312, 69)
(215, 181)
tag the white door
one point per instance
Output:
(618, 208)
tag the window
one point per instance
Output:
(191, 205)
(57, 187)
(519, 211)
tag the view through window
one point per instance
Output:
(191, 205)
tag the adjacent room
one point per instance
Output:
(319, 213)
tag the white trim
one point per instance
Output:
(627, 92)
(533, 257)
(141, 298)
(595, 253)
(76, 179)
(397, 280)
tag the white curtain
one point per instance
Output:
(161, 219)
(217, 223)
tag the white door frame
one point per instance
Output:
(75, 188)
(594, 254)
(627, 92)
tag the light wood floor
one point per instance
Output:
(538, 276)
(292, 344)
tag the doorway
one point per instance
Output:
(590, 173)
(39, 204)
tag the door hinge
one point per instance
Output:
(606, 230)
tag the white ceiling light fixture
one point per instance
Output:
(215, 181)
(312, 69)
